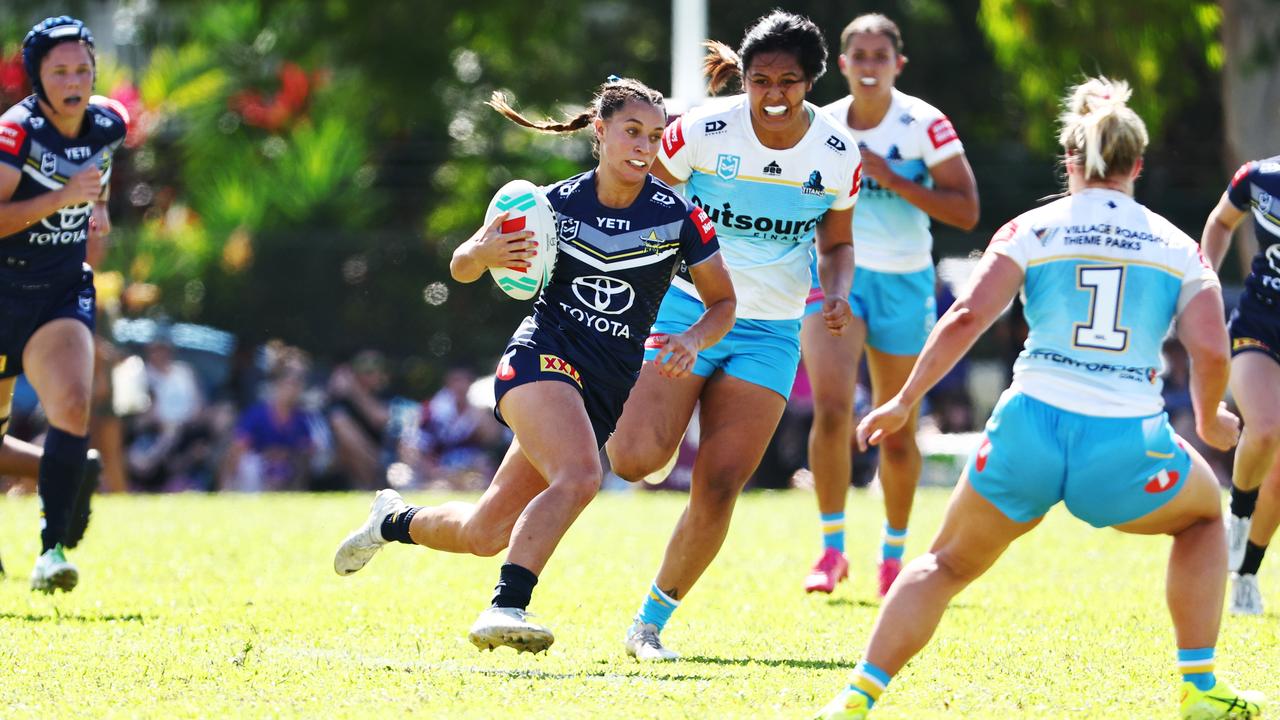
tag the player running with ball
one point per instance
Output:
(562, 381)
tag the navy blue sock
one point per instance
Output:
(1243, 501)
(515, 587)
(1252, 558)
(60, 471)
(396, 526)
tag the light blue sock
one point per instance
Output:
(870, 681)
(833, 531)
(1196, 667)
(656, 608)
(894, 543)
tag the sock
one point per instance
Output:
(1196, 667)
(1252, 558)
(895, 543)
(60, 470)
(1243, 501)
(833, 531)
(514, 588)
(395, 527)
(870, 681)
(656, 608)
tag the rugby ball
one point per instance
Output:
(528, 209)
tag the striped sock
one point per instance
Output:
(657, 608)
(1196, 667)
(870, 681)
(895, 543)
(833, 531)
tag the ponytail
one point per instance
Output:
(1099, 130)
(721, 66)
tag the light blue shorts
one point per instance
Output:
(763, 352)
(898, 308)
(1108, 470)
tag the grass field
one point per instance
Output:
(227, 606)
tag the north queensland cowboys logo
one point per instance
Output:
(604, 294)
(48, 164)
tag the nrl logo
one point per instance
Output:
(48, 164)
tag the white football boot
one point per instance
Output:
(644, 645)
(1245, 597)
(1237, 540)
(498, 626)
(54, 572)
(361, 545)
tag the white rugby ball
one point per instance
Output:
(528, 209)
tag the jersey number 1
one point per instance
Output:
(1105, 285)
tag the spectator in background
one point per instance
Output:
(457, 436)
(358, 412)
(172, 447)
(272, 446)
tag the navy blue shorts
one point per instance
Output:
(26, 306)
(535, 355)
(1255, 326)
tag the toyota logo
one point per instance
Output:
(605, 294)
(68, 218)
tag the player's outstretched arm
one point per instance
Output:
(1204, 334)
(490, 247)
(1218, 229)
(991, 288)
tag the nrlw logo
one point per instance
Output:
(568, 229)
(604, 294)
(727, 166)
(48, 164)
(556, 364)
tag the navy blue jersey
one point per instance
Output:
(29, 142)
(613, 265)
(1256, 188)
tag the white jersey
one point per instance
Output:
(891, 234)
(1105, 277)
(765, 203)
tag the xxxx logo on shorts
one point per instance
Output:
(555, 364)
(1248, 343)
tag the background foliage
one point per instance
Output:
(304, 169)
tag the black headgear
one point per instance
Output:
(46, 34)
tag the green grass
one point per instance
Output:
(228, 607)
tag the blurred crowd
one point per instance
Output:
(172, 416)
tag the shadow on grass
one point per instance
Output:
(585, 675)
(875, 604)
(73, 617)
(773, 662)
